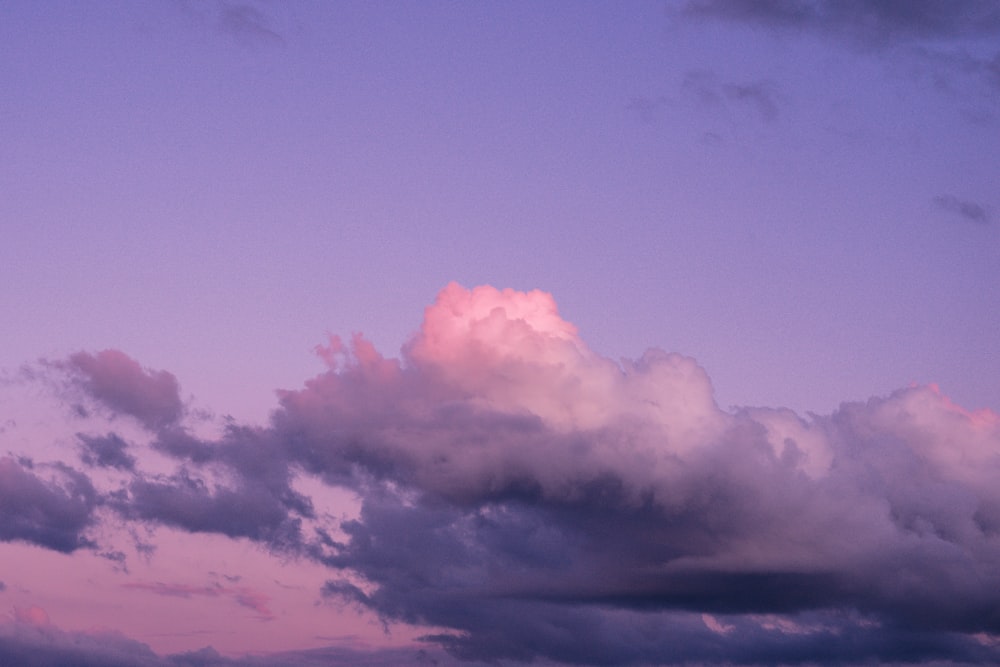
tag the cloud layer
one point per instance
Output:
(956, 38)
(874, 22)
(530, 499)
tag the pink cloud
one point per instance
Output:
(505, 362)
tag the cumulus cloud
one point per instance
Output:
(967, 210)
(530, 499)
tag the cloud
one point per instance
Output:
(45, 645)
(528, 499)
(526, 492)
(760, 95)
(243, 596)
(247, 24)
(705, 89)
(941, 34)
(106, 451)
(871, 22)
(52, 511)
(253, 498)
(968, 210)
(40, 644)
(646, 108)
(119, 383)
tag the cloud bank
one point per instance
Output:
(529, 499)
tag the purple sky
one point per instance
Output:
(254, 409)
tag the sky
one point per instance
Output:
(564, 333)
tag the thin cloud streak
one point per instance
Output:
(967, 210)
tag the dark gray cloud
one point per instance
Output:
(258, 502)
(46, 646)
(254, 498)
(107, 451)
(968, 210)
(51, 506)
(185, 501)
(760, 97)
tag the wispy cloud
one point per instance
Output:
(939, 32)
(967, 210)
(871, 22)
(245, 597)
(759, 96)
(247, 24)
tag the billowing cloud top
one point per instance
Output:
(538, 501)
